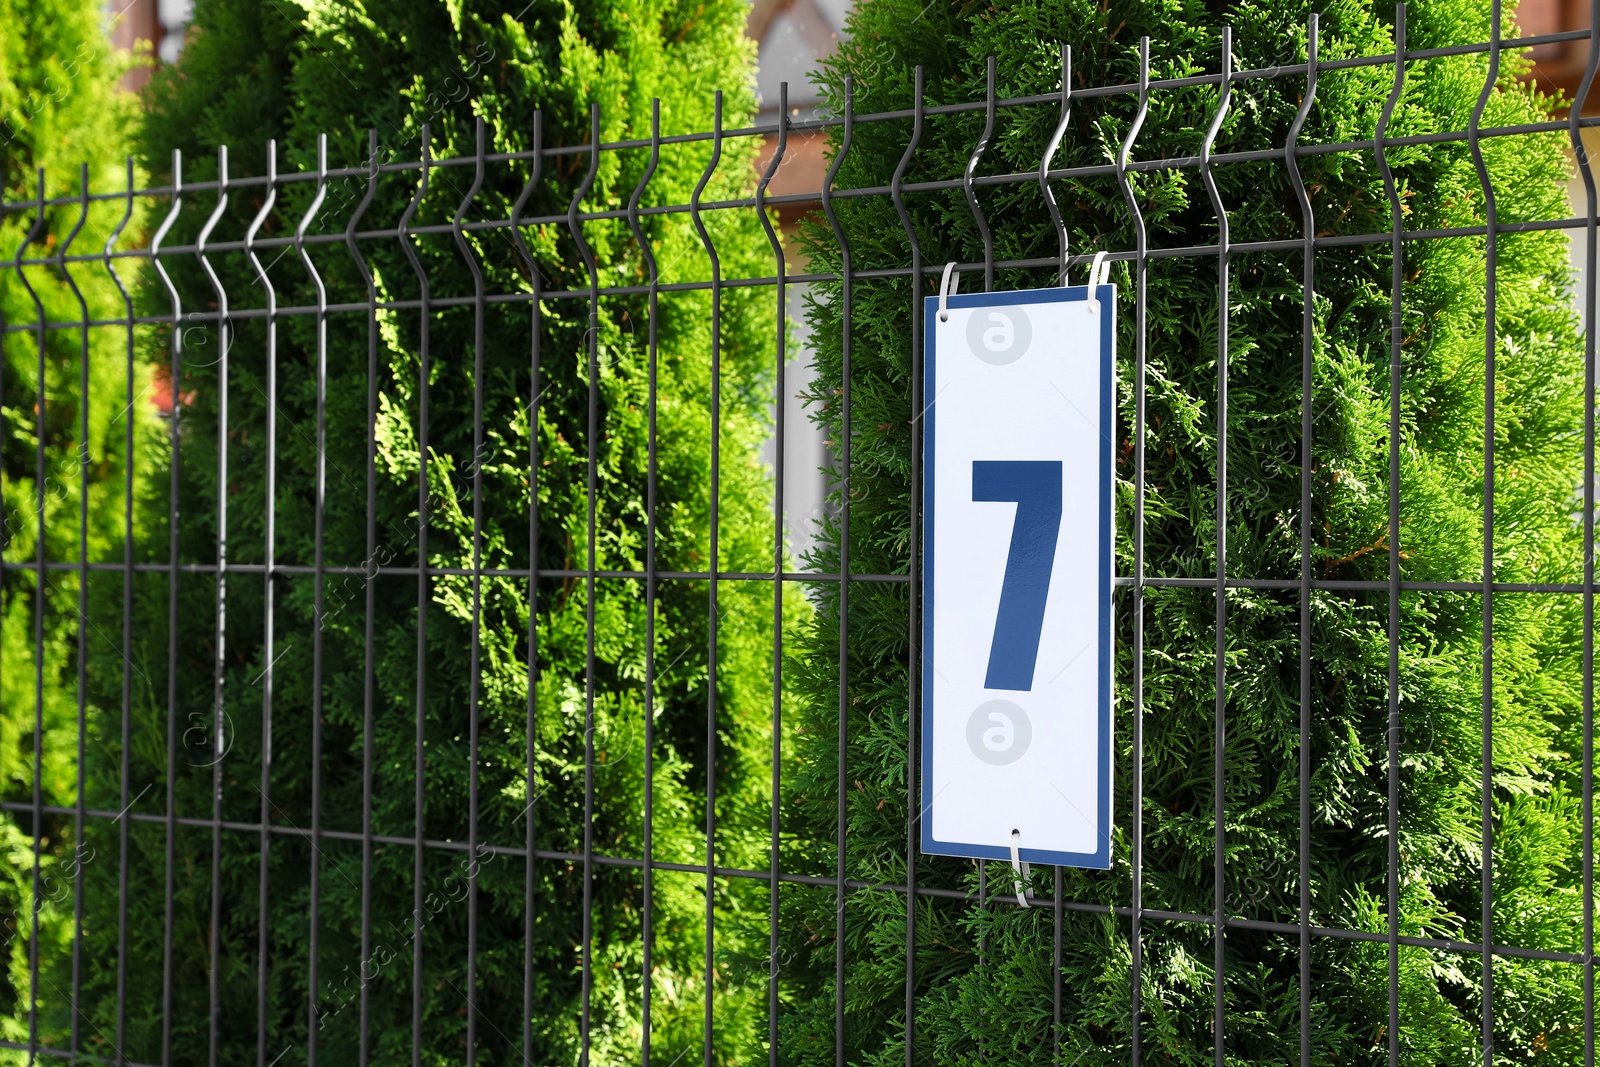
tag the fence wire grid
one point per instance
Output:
(196, 816)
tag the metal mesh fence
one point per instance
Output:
(190, 616)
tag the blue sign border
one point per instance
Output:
(1100, 859)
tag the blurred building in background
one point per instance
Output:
(1558, 66)
(159, 23)
(793, 38)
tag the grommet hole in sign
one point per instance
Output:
(1018, 532)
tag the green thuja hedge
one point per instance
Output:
(61, 110)
(984, 976)
(331, 695)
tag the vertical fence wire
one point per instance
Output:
(914, 811)
(40, 584)
(651, 592)
(779, 440)
(592, 445)
(1486, 803)
(914, 565)
(269, 603)
(1141, 266)
(219, 654)
(369, 593)
(174, 376)
(124, 754)
(1396, 338)
(1308, 347)
(531, 722)
(1219, 888)
(1586, 173)
(83, 604)
(845, 310)
(318, 622)
(1056, 896)
(76, 863)
(419, 800)
(475, 653)
(713, 619)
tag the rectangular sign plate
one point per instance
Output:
(1018, 532)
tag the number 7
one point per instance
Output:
(1035, 487)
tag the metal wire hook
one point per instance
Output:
(1099, 272)
(949, 282)
(1019, 867)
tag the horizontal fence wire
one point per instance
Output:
(558, 265)
(1469, 947)
(787, 125)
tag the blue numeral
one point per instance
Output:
(1035, 487)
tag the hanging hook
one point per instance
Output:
(1019, 867)
(1050, 155)
(949, 282)
(1099, 271)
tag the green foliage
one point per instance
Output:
(69, 423)
(339, 668)
(984, 976)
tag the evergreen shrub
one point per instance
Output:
(61, 110)
(984, 975)
(306, 714)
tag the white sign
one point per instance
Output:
(1017, 653)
